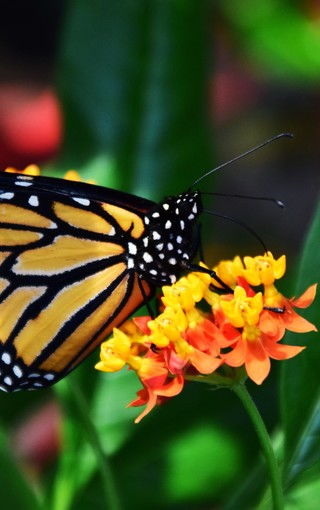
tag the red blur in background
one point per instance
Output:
(30, 125)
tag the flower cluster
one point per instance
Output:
(202, 330)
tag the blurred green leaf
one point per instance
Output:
(132, 80)
(15, 491)
(300, 391)
(76, 460)
(305, 493)
(113, 419)
(193, 450)
(279, 37)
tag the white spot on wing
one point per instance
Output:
(33, 200)
(168, 224)
(25, 177)
(172, 261)
(165, 206)
(6, 358)
(8, 380)
(111, 232)
(23, 183)
(82, 201)
(17, 371)
(49, 377)
(7, 195)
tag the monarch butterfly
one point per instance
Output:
(75, 261)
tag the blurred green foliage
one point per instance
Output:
(280, 36)
(133, 79)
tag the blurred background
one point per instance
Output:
(145, 97)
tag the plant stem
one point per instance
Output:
(264, 438)
(111, 496)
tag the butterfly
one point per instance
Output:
(76, 260)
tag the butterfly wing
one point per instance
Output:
(64, 278)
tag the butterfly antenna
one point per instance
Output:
(276, 201)
(242, 224)
(243, 155)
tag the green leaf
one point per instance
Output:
(16, 492)
(132, 79)
(113, 419)
(278, 36)
(300, 390)
(305, 493)
(216, 455)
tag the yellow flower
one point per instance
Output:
(168, 326)
(187, 291)
(272, 297)
(242, 310)
(121, 349)
(72, 175)
(28, 170)
(264, 269)
(251, 333)
(229, 270)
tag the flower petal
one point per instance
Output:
(204, 363)
(174, 387)
(237, 356)
(281, 351)
(294, 322)
(142, 324)
(146, 396)
(257, 362)
(306, 298)
(271, 324)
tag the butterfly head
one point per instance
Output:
(169, 240)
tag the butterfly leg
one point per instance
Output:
(213, 274)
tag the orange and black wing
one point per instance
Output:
(64, 278)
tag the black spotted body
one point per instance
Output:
(169, 240)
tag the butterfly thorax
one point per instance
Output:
(169, 240)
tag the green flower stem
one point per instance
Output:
(262, 433)
(112, 499)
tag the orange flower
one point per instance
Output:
(242, 328)
(258, 343)
(274, 323)
(253, 349)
